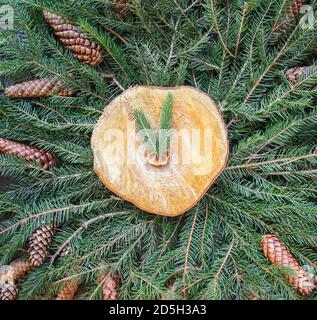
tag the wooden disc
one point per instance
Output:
(198, 152)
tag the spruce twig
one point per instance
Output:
(144, 126)
(157, 142)
(163, 140)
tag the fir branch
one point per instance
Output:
(214, 17)
(84, 226)
(282, 161)
(190, 237)
(246, 8)
(226, 257)
(54, 211)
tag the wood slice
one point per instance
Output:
(198, 151)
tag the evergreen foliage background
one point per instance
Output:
(228, 49)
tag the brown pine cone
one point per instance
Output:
(277, 253)
(294, 9)
(39, 244)
(37, 88)
(122, 8)
(84, 50)
(291, 15)
(45, 159)
(109, 287)
(294, 74)
(8, 290)
(68, 292)
(20, 268)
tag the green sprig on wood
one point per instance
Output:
(157, 141)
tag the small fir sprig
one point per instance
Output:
(157, 142)
(149, 138)
(166, 125)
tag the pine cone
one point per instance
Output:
(20, 268)
(292, 14)
(8, 291)
(277, 253)
(39, 244)
(37, 88)
(68, 292)
(294, 9)
(294, 74)
(122, 8)
(45, 159)
(84, 50)
(109, 287)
